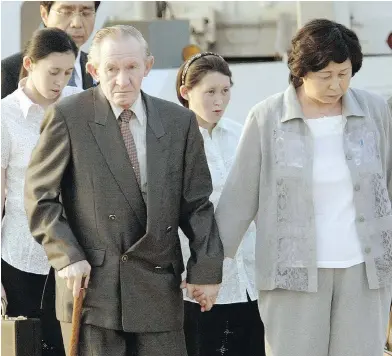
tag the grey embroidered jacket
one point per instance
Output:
(271, 182)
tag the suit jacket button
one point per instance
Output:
(169, 228)
(124, 258)
(112, 217)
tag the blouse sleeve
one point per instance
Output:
(5, 145)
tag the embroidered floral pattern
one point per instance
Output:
(382, 205)
(289, 149)
(289, 202)
(362, 143)
(293, 251)
(292, 279)
(384, 262)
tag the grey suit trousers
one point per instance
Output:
(97, 341)
(343, 318)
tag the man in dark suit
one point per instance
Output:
(77, 19)
(131, 169)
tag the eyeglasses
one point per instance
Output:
(69, 14)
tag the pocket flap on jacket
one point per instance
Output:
(95, 257)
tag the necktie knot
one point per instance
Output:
(126, 116)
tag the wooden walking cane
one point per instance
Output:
(76, 316)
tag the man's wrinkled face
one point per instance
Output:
(122, 66)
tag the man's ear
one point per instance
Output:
(44, 15)
(149, 63)
(184, 92)
(93, 71)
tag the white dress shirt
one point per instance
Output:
(138, 129)
(20, 129)
(78, 72)
(238, 273)
(333, 196)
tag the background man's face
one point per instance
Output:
(77, 18)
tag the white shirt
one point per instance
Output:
(20, 128)
(138, 129)
(78, 72)
(238, 273)
(337, 240)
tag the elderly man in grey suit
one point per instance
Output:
(131, 169)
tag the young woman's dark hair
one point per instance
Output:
(195, 68)
(318, 43)
(46, 41)
(48, 4)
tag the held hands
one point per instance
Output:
(74, 273)
(205, 294)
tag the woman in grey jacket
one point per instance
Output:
(314, 170)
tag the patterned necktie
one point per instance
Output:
(125, 117)
(72, 82)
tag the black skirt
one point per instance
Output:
(26, 292)
(227, 330)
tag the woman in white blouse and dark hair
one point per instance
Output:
(48, 63)
(233, 326)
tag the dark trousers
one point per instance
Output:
(97, 341)
(228, 329)
(25, 292)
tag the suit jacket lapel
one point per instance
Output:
(110, 141)
(158, 142)
(86, 77)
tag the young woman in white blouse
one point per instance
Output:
(233, 326)
(48, 62)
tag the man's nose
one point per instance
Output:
(76, 20)
(122, 79)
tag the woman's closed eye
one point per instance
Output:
(54, 72)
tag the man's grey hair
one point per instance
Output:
(118, 30)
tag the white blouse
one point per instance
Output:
(20, 128)
(333, 196)
(238, 273)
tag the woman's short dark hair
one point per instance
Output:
(196, 68)
(46, 41)
(318, 43)
(48, 4)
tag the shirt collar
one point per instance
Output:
(221, 125)
(293, 110)
(25, 102)
(137, 108)
(78, 66)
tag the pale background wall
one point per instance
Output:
(372, 20)
(255, 82)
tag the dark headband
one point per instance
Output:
(194, 58)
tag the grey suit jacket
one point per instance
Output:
(10, 70)
(133, 247)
